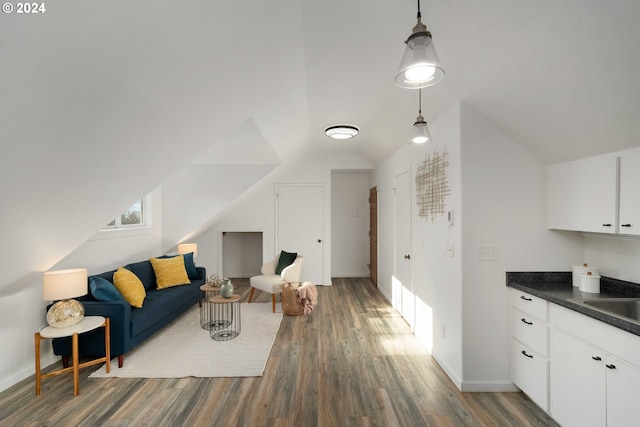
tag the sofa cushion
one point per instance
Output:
(161, 304)
(129, 286)
(170, 272)
(285, 260)
(145, 273)
(103, 290)
(189, 264)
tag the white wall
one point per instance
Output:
(350, 224)
(504, 204)
(255, 209)
(437, 278)
(498, 198)
(615, 257)
(24, 312)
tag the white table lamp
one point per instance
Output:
(185, 248)
(62, 286)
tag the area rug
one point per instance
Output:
(184, 349)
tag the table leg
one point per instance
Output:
(38, 378)
(107, 344)
(76, 368)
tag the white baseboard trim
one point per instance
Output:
(453, 376)
(46, 360)
(489, 386)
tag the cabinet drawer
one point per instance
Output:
(529, 304)
(530, 372)
(530, 331)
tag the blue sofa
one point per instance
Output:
(130, 326)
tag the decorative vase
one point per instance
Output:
(226, 289)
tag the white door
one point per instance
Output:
(299, 226)
(403, 298)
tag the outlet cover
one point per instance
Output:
(488, 253)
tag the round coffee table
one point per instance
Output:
(226, 317)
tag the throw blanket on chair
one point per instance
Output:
(307, 296)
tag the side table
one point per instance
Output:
(88, 323)
(208, 291)
(225, 313)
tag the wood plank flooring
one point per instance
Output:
(352, 362)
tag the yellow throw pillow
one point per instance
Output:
(129, 286)
(170, 272)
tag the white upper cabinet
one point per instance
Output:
(630, 192)
(582, 195)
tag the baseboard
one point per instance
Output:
(28, 371)
(489, 386)
(351, 275)
(453, 376)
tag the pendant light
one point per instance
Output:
(420, 134)
(420, 66)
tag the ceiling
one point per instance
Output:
(559, 77)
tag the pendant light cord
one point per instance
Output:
(420, 101)
(419, 15)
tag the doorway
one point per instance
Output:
(241, 253)
(300, 226)
(402, 287)
(373, 235)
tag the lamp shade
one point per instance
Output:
(420, 134)
(64, 284)
(185, 248)
(420, 66)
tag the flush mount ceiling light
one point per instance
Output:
(420, 66)
(341, 131)
(420, 133)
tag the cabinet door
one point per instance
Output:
(530, 372)
(623, 408)
(582, 195)
(577, 381)
(630, 192)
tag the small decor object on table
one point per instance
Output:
(88, 323)
(226, 317)
(226, 289)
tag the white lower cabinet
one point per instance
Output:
(577, 383)
(529, 346)
(591, 381)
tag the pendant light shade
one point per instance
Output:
(420, 134)
(420, 66)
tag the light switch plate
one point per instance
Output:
(488, 253)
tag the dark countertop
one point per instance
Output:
(556, 287)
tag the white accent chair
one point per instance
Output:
(271, 282)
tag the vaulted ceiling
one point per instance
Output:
(102, 101)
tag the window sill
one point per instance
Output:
(114, 233)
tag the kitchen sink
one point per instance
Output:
(624, 308)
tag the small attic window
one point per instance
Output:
(135, 217)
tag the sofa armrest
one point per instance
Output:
(292, 272)
(119, 314)
(202, 273)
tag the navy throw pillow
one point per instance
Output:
(189, 264)
(103, 290)
(285, 260)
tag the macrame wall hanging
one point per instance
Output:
(432, 185)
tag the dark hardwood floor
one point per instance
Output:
(352, 362)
